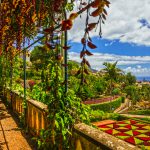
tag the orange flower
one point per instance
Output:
(73, 16)
(96, 3)
(66, 25)
(97, 12)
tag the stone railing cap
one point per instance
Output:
(38, 104)
(103, 138)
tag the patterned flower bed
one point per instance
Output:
(131, 131)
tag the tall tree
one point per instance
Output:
(111, 73)
(130, 79)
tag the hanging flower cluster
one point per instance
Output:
(21, 20)
(100, 12)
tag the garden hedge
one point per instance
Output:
(107, 105)
(140, 112)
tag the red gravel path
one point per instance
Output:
(11, 137)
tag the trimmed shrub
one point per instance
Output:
(123, 99)
(108, 105)
(140, 112)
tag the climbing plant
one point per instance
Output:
(64, 108)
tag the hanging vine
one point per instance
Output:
(87, 42)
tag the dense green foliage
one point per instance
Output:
(145, 92)
(133, 93)
(130, 79)
(96, 84)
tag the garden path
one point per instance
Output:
(124, 106)
(11, 137)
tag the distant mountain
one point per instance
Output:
(93, 70)
(138, 78)
(74, 62)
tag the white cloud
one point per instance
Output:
(139, 66)
(109, 44)
(143, 71)
(98, 59)
(122, 23)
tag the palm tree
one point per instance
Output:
(112, 73)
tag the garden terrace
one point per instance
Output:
(85, 137)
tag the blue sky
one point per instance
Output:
(126, 37)
(114, 47)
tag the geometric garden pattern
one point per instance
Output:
(131, 131)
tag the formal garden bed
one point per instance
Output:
(130, 130)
